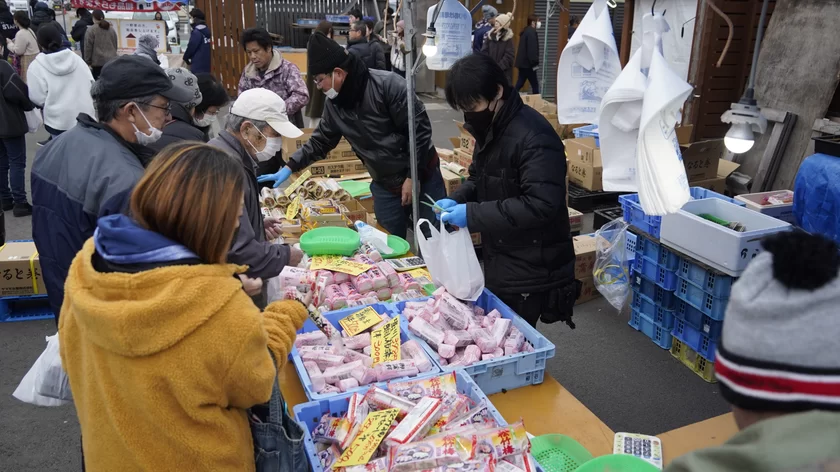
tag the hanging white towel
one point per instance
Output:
(587, 68)
(663, 185)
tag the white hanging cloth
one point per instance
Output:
(663, 185)
(587, 68)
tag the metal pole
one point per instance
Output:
(408, 17)
(758, 37)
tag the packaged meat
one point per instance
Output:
(458, 338)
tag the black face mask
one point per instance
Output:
(480, 121)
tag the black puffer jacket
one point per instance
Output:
(181, 128)
(14, 100)
(41, 15)
(370, 55)
(371, 111)
(528, 56)
(516, 199)
(79, 29)
(8, 29)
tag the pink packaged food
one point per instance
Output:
(439, 292)
(330, 278)
(426, 332)
(315, 375)
(381, 399)
(330, 389)
(527, 347)
(483, 338)
(417, 422)
(370, 251)
(458, 338)
(514, 342)
(502, 441)
(522, 462)
(311, 367)
(487, 357)
(478, 311)
(347, 384)
(446, 351)
(348, 290)
(395, 369)
(430, 453)
(364, 259)
(365, 376)
(298, 278)
(456, 313)
(351, 355)
(472, 354)
(481, 417)
(500, 331)
(341, 277)
(487, 322)
(362, 282)
(335, 303)
(383, 294)
(357, 342)
(398, 293)
(328, 456)
(379, 279)
(494, 315)
(325, 430)
(311, 338)
(389, 272)
(375, 465)
(316, 348)
(408, 282)
(485, 464)
(341, 372)
(436, 387)
(323, 359)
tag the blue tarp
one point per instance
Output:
(816, 197)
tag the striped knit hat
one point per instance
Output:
(780, 347)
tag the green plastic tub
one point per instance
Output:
(559, 453)
(617, 463)
(330, 240)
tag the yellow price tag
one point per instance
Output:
(385, 342)
(292, 209)
(421, 272)
(371, 433)
(319, 262)
(359, 321)
(297, 183)
(347, 267)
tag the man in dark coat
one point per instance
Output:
(367, 52)
(515, 195)
(483, 27)
(41, 15)
(80, 27)
(197, 55)
(369, 108)
(8, 28)
(528, 57)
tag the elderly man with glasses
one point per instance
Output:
(76, 174)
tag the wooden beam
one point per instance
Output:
(563, 29)
(627, 31)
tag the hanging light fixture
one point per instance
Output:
(430, 46)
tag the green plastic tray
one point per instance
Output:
(559, 453)
(330, 241)
(617, 463)
(398, 245)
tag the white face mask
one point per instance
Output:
(539, 24)
(205, 120)
(331, 94)
(272, 146)
(143, 138)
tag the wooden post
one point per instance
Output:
(627, 31)
(227, 21)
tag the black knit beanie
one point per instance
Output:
(324, 55)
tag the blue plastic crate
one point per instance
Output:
(707, 303)
(504, 373)
(25, 308)
(710, 280)
(309, 414)
(648, 288)
(659, 335)
(699, 320)
(663, 255)
(333, 317)
(663, 277)
(588, 131)
(702, 344)
(651, 225)
(630, 245)
(659, 315)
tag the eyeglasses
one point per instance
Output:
(167, 108)
(318, 81)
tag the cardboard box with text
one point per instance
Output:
(584, 255)
(20, 270)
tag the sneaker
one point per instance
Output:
(22, 209)
(7, 204)
(44, 142)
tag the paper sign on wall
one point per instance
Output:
(371, 433)
(359, 321)
(385, 342)
(132, 30)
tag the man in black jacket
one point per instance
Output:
(528, 57)
(369, 108)
(80, 27)
(8, 28)
(515, 195)
(366, 51)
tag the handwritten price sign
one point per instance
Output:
(347, 266)
(319, 262)
(293, 208)
(371, 433)
(385, 342)
(363, 319)
(297, 183)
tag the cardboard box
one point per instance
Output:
(291, 145)
(462, 158)
(584, 255)
(684, 133)
(583, 150)
(329, 167)
(451, 180)
(575, 220)
(445, 154)
(476, 238)
(781, 211)
(20, 270)
(701, 159)
(466, 140)
(718, 184)
(354, 211)
(588, 291)
(342, 152)
(586, 176)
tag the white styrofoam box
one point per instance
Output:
(782, 211)
(720, 247)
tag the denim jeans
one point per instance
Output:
(394, 217)
(13, 169)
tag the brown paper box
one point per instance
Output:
(588, 291)
(462, 158)
(584, 255)
(583, 150)
(328, 167)
(16, 270)
(718, 184)
(466, 140)
(701, 159)
(342, 152)
(586, 176)
(355, 211)
(575, 220)
(445, 154)
(451, 180)
(476, 238)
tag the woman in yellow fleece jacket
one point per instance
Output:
(164, 350)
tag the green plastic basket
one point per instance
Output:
(617, 463)
(398, 245)
(330, 240)
(559, 453)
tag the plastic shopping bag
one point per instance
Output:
(451, 260)
(612, 269)
(33, 119)
(46, 383)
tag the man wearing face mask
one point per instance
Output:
(515, 195)
(82, 169)
(528, 57)
(253, 131)
(369, 109)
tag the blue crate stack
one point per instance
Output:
(654, 282)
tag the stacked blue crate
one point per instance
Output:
(654, 281)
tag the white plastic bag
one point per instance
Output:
(451, 260)
(588, 66)
(46, 383)
(612, 270)
(33, 119)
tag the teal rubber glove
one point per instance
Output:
(445, 203)
(281, 176)
(456, 216)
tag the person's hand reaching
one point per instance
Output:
(278, 178)
(295, 256)
(445, 203)
(252, 287)
(406, 192)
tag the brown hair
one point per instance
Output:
(191, 193)
(99, 16)
(326, 28)
(533, 19)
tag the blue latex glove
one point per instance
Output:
(281, 176)
(445, 203)
(456, 216)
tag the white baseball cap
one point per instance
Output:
(264, 105)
